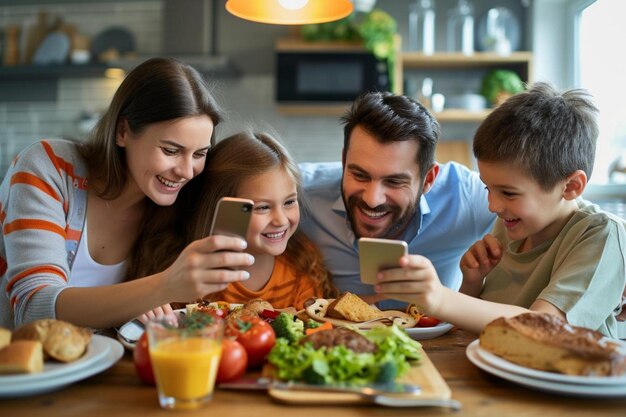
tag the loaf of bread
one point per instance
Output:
(5, 337)
(352, 307)
(548, 343)
(61, 340)
(22, 356)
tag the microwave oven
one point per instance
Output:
(328, 76)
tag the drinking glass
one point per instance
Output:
(185, 353)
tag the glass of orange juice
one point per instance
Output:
(185, 353)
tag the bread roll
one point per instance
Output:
(61, 340)
(22, 356)
(258, 305)
(548, 343)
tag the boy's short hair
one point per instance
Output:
(548, 133)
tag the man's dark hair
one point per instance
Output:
(549, 134)
(394, 118)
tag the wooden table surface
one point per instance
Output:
(118, 392)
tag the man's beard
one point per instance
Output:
(399, 222)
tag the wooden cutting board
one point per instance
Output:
(424, 374)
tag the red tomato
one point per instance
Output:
(427, 321)
(255, 335)
(233, 362)
(141, 357)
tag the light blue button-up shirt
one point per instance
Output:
(452, 215)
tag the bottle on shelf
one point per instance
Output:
(460, 28)
(422, 26)
(426, 92)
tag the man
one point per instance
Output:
(389, 186)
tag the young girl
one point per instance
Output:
(287, 267)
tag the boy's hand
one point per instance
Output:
(479, 260)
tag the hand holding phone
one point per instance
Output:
(378, 254)
(231, 217)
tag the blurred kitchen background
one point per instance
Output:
(47, 95)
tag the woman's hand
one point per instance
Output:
(416, 282)
(206, 266)
(478, 261)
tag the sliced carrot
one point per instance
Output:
(326, 326)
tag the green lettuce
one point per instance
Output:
(337, 365)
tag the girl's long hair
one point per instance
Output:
(229, 163)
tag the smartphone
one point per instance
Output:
(231, 217)
(378, 254)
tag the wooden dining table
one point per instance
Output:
(118, 392)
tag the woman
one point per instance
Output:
(72, 213)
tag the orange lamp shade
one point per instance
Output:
(290, 12)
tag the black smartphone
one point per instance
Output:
(232, 216)
(378, 254)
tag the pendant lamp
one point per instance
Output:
(290, 12)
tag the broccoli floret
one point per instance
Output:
(289, 327)
(312, 324)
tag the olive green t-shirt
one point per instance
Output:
(582, 271)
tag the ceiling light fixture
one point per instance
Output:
(290, 12)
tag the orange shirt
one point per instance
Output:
(284, 289)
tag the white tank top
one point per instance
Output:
(88, 273)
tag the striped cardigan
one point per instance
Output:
(43, 202)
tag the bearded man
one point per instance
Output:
(388, 185)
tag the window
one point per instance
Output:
(600, 67)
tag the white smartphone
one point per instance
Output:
(378, 254)
(231, 217)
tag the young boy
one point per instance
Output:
(550, 250)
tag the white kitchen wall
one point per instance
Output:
(24, 123)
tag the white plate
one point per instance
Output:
(97, 349)
(575, 390)
(37, 384)
(423, 333)
(505, 365)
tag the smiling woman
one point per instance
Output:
(73, 213)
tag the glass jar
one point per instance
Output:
(460, 28)
(422, 26)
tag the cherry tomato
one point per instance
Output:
(427, 321)
(255, 335)
(141, 357)
(233, 362)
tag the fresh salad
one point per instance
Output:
(340, 355)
